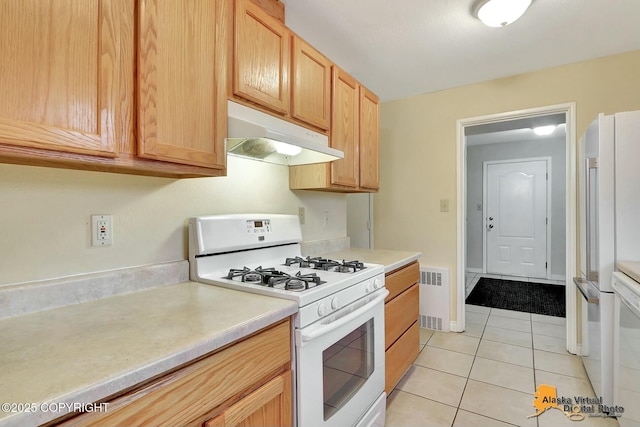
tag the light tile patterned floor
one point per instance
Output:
(487, 375)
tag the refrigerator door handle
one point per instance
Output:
(591, 164)
(586, 290)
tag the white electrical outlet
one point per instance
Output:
(325, 219)
(301, 215)
(101, 230)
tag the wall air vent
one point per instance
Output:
(434, 298)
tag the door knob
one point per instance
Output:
(490, 218)
(490, 225)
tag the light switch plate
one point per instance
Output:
(444, 205)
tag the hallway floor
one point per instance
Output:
(487, 375)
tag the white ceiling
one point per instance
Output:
(403, 48)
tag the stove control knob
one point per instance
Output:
(323, 309)
(336, 303)
(368, 288)
(377, 283)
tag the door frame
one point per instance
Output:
(569, 109)
(485, 199)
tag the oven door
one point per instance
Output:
(341, 364)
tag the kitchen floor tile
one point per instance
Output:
(564, 364)
(473, 330)
(469, 419)
(454, 342)
(548, 319)
(549, 329)
(511, 314)
(556, 418)
(499, 403)
(565, 385)
(447, 361)
(553, 344)
(425, 335)
(477, 318)
(516, 278)
(476, 308)
(489, 374)
(406, 409)
(503, 374)
(507, 336)
(431, 384)
(509, 323)
(506, 353)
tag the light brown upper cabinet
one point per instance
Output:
(311, 85)
(369, 139)
(62, 77)
(262, 57)
(345, 129)
(68, 85)
(182, 92)
(355, 129)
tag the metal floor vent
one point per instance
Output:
(434, 298)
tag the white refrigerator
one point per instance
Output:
(609, 178)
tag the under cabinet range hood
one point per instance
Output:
(255, 135)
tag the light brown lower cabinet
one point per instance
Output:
(402, 332)
(245, 384)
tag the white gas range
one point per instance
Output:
(339, 328)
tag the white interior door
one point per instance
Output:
(516, 218)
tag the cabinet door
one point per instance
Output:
(261, 55)
(369, 139)
(61, 76)
(311, 85)
(270, 405)
(182, 115)
(344, 129)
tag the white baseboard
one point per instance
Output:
(558, 277)
(474, 270)
(453, 326)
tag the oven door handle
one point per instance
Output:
(321, 328)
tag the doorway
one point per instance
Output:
(472, 211)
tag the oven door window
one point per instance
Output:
(346, 366)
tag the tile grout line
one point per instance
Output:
(469, 373)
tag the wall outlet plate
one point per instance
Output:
(101, 230)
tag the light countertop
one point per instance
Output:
(391, 259)
(88, 351)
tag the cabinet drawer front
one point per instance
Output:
(189, 394)
(397, 281)
(400, 356)
(400, 313)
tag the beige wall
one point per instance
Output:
(45, 213)
(418, 145)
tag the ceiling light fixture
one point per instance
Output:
(498, 13)
(544, 130)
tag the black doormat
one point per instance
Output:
(538, 298)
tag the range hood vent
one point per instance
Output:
(255, 135)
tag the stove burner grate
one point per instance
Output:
(275, 279)
(326, 264)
